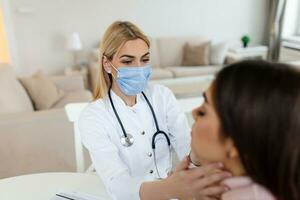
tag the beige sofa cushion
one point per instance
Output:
(186, 86)
(158, 73)
(13, 96)
(68, 83)
(180, 71)
(43, 92)
(170, 49)
(154, 55)
(74, 97)
(196, 55)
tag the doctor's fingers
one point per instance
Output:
(212, 179)
(183, 165)
(205, 170)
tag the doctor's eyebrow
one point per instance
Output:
(146, 54)
(205, 97)
(130, 56)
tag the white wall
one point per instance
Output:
(41, 27)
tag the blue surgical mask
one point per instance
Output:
(133, 80)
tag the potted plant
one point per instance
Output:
(245, 39)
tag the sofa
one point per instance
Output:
(166, 57)
(33, 140)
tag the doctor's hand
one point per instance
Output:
(200, 183)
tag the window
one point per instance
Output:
(298, 22)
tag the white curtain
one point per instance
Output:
(277, 9)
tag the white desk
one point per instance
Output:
(45, 186)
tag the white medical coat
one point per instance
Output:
(124, 169)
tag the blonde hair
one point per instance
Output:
(114, 37)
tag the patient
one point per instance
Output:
(250, 121)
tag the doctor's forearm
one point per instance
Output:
(158, 190)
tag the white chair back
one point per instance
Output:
(73, 111)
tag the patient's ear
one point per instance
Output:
(231, 150)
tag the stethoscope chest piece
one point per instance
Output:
(127, 141)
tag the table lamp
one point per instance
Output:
(75, 45)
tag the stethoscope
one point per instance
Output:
(127, 139)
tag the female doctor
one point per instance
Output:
(131, 126)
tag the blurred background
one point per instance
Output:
(49, 58)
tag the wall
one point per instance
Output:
(41, 27)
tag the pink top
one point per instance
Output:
(243, 188)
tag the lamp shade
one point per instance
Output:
(74, 42)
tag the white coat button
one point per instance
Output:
(143, 132)
(149, 154)
(151, 171)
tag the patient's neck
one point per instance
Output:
(235, 167)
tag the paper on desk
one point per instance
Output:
(74, 196)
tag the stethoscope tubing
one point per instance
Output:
(158, 131)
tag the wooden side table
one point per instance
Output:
(252, 52)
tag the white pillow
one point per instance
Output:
(218, 53)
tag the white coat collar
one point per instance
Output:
(119, 101)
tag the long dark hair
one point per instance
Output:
(259, 108)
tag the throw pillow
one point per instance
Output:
(218, 53)
(196, 55)
(43, 92)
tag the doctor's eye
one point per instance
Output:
(127, 62)
(146, 60)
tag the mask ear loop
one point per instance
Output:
(114, 69)
(110, 75)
